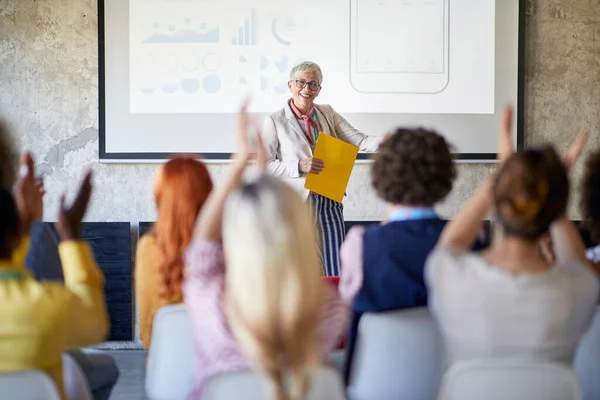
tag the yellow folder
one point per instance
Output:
(338, 157)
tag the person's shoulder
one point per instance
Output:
(279, 114)
(447, 261)
(147, 242)
(148, 250)
(325, 108)
(582, 273)
(54, 294)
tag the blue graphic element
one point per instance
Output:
(282, 65)
(276, 34)
(246, 35)
(280, 89)
(253, 27)
(264, 62)
(169, 87)
(186, 36)
(190, 85)
(264, 84)
(243, 81)
(211, 84)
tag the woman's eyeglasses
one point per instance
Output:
(301, 84)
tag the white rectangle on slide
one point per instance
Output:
(377, 56)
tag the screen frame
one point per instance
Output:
(105, 156)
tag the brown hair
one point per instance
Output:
(9, 157)
(590, 196)
(181, 187)
(530, 191)
(413, 166)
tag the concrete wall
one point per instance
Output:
(48, 90)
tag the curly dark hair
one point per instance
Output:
(9, 157)
(413, 167)
(531, 190)
(590, 196)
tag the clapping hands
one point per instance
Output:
(68, 225)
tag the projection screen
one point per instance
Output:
(172, 73)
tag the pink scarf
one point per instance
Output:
(307, 119)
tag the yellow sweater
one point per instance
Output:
(147, 283)
(39, 320)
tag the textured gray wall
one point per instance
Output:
(48, 90)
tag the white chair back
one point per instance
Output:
(249, 385)
(398, 355)
(75, 383)
(171, 355)
(506, 379)
(28, 385)
(587, 361)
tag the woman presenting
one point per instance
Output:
(291, 134)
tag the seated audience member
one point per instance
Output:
(40, 320)
(258, 299)
(383, 265)
(590, 204)
(43, 263)
(509, 301)
(180, 190)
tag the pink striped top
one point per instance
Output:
(216, 350)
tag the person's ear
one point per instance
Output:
(290, 86)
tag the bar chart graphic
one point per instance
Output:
(246, 34)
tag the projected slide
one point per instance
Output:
(377, 56)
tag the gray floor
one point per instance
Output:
(132, 364)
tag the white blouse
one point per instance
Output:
(484, 311)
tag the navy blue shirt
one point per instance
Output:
(394, 257)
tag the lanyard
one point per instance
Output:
(8, 275)
(412, 214)
(315, 130)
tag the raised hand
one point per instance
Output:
(68, 225)
(575, 149)
(243, 154)
(505, 139)
(28, 193)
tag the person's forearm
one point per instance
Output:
(462, 231)
(208, 224)
(567, 242)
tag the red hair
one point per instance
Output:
(180, 190)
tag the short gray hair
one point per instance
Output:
(306, 66)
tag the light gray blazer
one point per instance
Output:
(287, 143)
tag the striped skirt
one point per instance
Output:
(329, 219)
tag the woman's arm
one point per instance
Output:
(567, 243)
(351, 257)
(86, 306)
(146, 276)
(284, 169)
(334, 320)
(209, 221)
(350, 134)
(462, 231)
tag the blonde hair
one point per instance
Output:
(274, 292)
